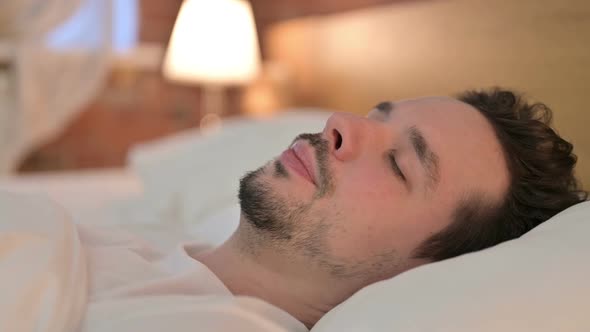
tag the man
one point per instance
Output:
(416, 181)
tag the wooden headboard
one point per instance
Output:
(350, 61)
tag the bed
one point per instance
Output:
(184, 186)
(84, 193)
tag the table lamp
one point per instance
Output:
(213, 43)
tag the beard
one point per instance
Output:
(270, 213)
(262, 208)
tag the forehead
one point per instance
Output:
(470, 155)
(447, 119)
(433, 108)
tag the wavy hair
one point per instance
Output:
(542, 182)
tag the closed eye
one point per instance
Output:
(395, 166)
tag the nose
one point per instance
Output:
(346, 134)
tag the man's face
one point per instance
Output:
(358, 198)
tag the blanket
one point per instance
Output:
(48, 293)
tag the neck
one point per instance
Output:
(278, 279)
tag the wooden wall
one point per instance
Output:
(352, 60)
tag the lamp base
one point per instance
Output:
(212, 107)
(212, 99)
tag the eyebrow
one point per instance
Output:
(384, 107)
(428, 159)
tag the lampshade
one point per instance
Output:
(213, 42)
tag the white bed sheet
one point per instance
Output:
(111, 197)
(80, 192)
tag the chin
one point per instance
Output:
(273, 204)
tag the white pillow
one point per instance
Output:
(217, 227)
(192, 175)
(539, 282)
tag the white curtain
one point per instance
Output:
(50, 82)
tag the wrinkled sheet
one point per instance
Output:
(45, 268)
(43, 277)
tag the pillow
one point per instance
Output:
(191, 175)
(539, 282)
(217, 227)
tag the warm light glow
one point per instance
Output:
(213, 41)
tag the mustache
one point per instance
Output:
(315, 140)
(321, 147)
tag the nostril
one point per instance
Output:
(337, 139)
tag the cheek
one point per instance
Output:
(369, 196)
(367, 216)
(373, 217)
(375, 183)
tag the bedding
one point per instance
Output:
(104, 197)
(85, 278)
(168, 194)
(86, 194)
(538, 282)
(48, 293)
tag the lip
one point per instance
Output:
(298, 158)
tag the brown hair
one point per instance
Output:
(542, 182)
